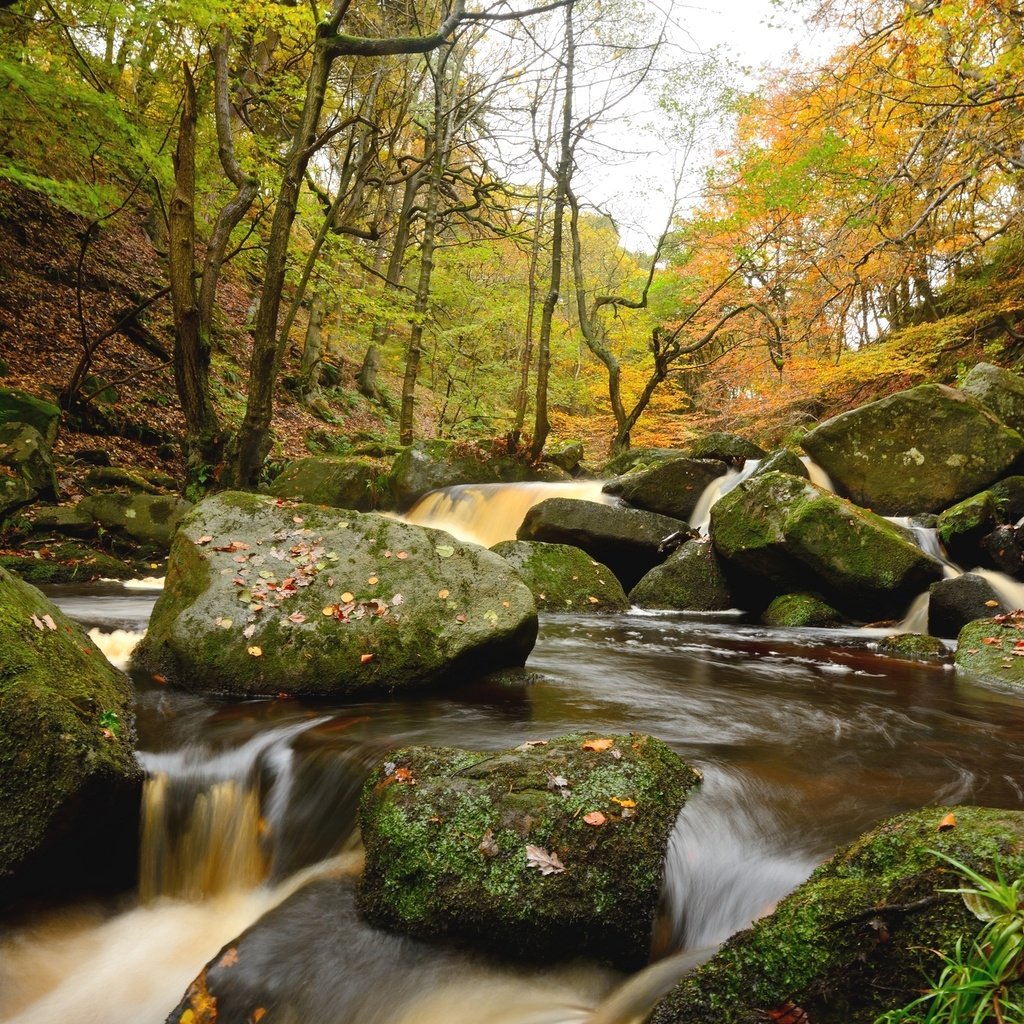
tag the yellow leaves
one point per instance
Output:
(443, 593)
(256, 652)
(598, 745)
(347, 597)
(623, 803)
(202, 1007)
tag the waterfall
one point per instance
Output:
(700, 518)
(117, 645)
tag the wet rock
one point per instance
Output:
(672, 487)
(69, 782)
(690, 579)
(93, 456)
(627, 540)
(955, 602)
(783, 460)
(963, 527)
(914, 647)
(1000, 390)
(566, 455)
(563, 578)
(729, 448)
(921, 450)
(21, 407)
(342, 482)
(1009, 495)
(145, 518)
(262, 598)
(24, 450)
(1005, 549)
(856, 939)
(794, 536)
(988, 648)
(547, 851)
(795, 610)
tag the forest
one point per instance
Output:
(275, 228)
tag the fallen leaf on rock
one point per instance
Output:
(397, 600)
(256, 652)
(488, 847)
(532, 743)
(602, 744)
(546, 863)
(373, 581)
(593, 600)
(296, 617)
(991, 640)
(460, 618)
(365, 658)
(229, 959)
(249, 631)
(204, 540)
(443, 551)
(330, 609)
(948, 822)
(788, 1013)
(443, 594)
(223, 622)
(491, 616)
(347, 597)
(623, 803)
(404, 775)
(594, 818)
(258, 1014)
(991, 604)
(297, 519)
(559, 783)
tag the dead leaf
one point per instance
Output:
(991, 640)
(593, 600)
(405, 776)
(347, 597)
(602, 744)
(545, 862)
(991, 604)
(443, 551)
(594, 818)
(443, 594)
(204, 540)
(460, 618)
(36, 621)
(258, 1014)
(256, 652)
(402, 554)
(488, 847)
(373, 581)
(365, 658)
(229, 959)
(296, 617)
(788, 1013)
(623, 803)
(948, 822)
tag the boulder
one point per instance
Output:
(690, 579)
(264, 596)
(672, 487)
(989, 649)
(796, 537)
(1000, 390)
(68, 520)
(14, 493)
(102, 479)
(963, 527)
(627, 540)
(341, 482)
(21, 407)
(24, 450)
(638, 458)
(69, 782)
(728, 448)
(790, 610)
(954, 602)
(552, 850)
(145, 518)
(914, 647)
(920, 450)
(1009, 495)
(566, 455)
(70, 563)
(858, 938)
(563, 578)
(783, 460)
(1005, 549)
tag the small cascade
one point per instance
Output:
(117, 645)
(818, 476)
(1009, 590)
(488, 513)
(700, 518)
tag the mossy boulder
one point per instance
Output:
(70, 563)
(14, 494)
(264, 596)
(672, 487)
(914, 647)
(549, 851)
(566, 455)
(101, 479)
(627, 540)
(690, 579)
(795, 536)
(24, 450)
(954, 602)
(342, 482)
(920, 450)
(1000, 390)
(563, 578)
(794, 610)
(1009, 495)
(728, 448)
(69, 520)
(638, 458)
(145, 518)
(21, 407)
(783, 460)
(69, 782)
(962, 527)
(990, 649)
(858, 938)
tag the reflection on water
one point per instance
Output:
(805, 738)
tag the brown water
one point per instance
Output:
(806, 738)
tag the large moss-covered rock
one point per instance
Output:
(990, 649)
(729, 448)
(638, 458)
(797, 537)
(672, 487)
(21, 407)
(69, 782)
(914, 647)
(563, 578)
(797, 610)
(1000, 390)
(566, 455)
(920, 450)
(858, 938)
(551, 850)
(14, 493)
(101, 479)
(70, 563)
(962, 527)
(342, 482)
(954, 602)
(145, 518)
(783, 460)
(264, 596)
(690, 579)
(24, 450)
(627, 540)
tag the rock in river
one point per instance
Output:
(265, 596)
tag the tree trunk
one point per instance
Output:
(309, 368)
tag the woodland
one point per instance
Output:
(274, 228)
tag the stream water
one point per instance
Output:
(806, 738)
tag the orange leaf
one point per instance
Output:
(402, 554)
(443, 594)
(230, 958)
(598, 744)
(372, 580)
(788, 1013)
(346, 597)
(404, 775)
(364, 658)
(623, 803)
(258, 1014)
(948, 822)
(594, 818)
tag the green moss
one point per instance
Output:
(794, 610)
(914, 647)
(987, 648)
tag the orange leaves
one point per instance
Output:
(788, 1013)
(623, 803)
(595, 818)
(598, 745)
(365, 659)
(256, 652)
(947, 823)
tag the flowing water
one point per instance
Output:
(806, 738)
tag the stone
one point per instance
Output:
(370, 604)
(690, 579)
(104, 479)
(338, 481)
(920, 450)
(1000, 390)
(795, 610)
(93, 456)
(797, 537)
(914, 647)
(729, 448)
(857, 938)
(565, 455)
(783, 460)
(24, 450)
(21, 407)
(563, 578)
(987, 649)
(954, 602)
(548, 851)
(14, 493)
(963, 527)
(1005, 549)
(627, 540)
(638, 458)
(68, 520)
(69, 782)
(1009, 496)
(672, 487)
(145, 518)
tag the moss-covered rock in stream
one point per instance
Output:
(963, 526)
(690, 579)
(548, 851)
(264, 596)
(672, 487)
(993, 649)
(920, 450)
(69, 782)
(342, 482)
(954, 602)
(792, 610)
(729, 448)
(145, 518)
(24, 450)
(858, 937)
(794, 536)
(563, 578)
(914, 647)
(70, 563)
